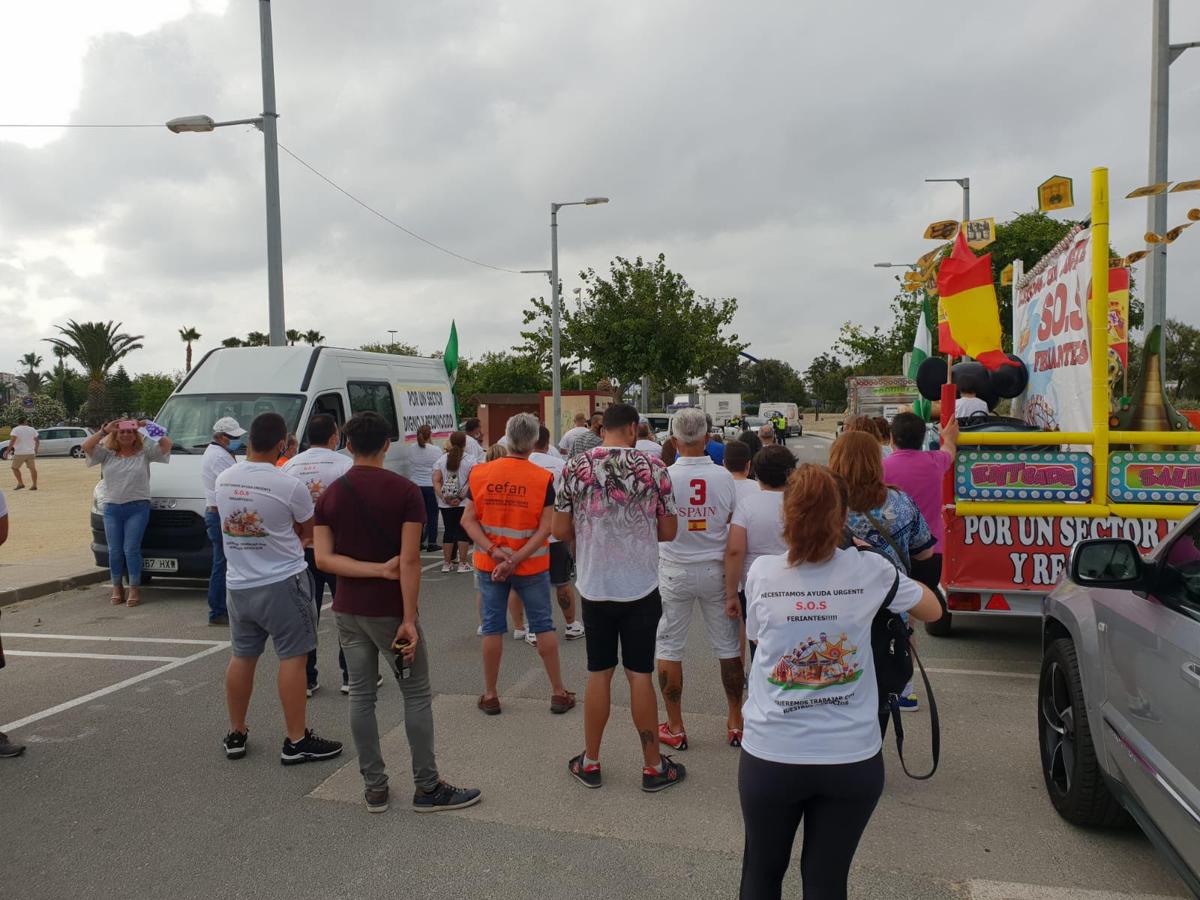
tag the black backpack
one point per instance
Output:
(894, 654)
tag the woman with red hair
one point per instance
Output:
(812, 748)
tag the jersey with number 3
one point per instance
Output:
(705, 496)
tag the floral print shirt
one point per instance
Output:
(903, 521)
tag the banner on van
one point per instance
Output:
(423, 405)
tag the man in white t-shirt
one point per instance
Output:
(568, 439)
(317, 468)
(561, 563)
(266, 519)
(691, 571)
(24, 443)
(218, 456)
(646, 443)
(8, 748)
(474, 433)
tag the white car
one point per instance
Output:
(63, 440)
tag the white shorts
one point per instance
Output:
(682, 587)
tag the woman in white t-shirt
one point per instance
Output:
(423, 457)
(450, 474)
(812, 748)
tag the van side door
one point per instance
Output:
(372, 395)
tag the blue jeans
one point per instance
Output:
(216, 579)
(124, 525)
(431, 515)
(534, 591)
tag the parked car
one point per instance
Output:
(1119, 693)
(64, 440)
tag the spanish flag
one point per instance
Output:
(969, 302)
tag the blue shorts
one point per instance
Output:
(534, 591)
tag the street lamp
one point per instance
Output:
(888, 265)
(555, 311)
(266, 123)
(392, 334)
(965, 184)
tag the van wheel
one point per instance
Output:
(940, 627)
(1069, 764)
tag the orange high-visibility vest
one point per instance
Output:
(509, 495)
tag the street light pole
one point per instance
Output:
(271, 160)
(965, 184)
(555, 316)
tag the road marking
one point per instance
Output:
(89, 637)
(116, 656)
(1030, 675)
(113, 688)
(432, 565)
(1003, 890)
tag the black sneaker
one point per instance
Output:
(309, 748)
(235, 744)
(312, 689)
(8, 748)
(444, 796)
(672, 773)
(588, 776)
(219, 620)
(377, 799)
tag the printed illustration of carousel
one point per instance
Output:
(816, 664)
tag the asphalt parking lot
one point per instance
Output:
(125, 792)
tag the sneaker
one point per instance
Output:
(561, 703)
(671, 739)
(314, 687)
(574, 631)
(345, 688)
(464, 569)
(672, 773)
(309, 748)
(531, 639)
(588, 776)
(447, 568)
(221, 619)
(519, 634)
(235, 744)
(479, 631)
(444, 796)
(9, 748)
(377, 799)
(909, 703)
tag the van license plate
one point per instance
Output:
(160, 565)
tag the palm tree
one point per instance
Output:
(292, 336)
(97, 347)
(233, 342)
(32, 377)
(61, 375)
(313, 338)
(257, 339)
(187, 335)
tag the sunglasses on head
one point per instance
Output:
(126, 431)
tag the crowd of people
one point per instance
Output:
(791, 562)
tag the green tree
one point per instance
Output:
(31, 376)
(399, 347)
(772, 379)
(97, 347)
(313, 338)
(292, 336)
(119, 395)
(879, 351)
(726, 376)
(187, 335)
(257, 339)
(46, 412)
(151, 390)
(498, 373)
(643, 319)
(233, 342)
(827, 376)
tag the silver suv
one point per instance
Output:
(1119, 693)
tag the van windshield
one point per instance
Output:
(189, 418)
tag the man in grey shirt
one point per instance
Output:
(590, 439)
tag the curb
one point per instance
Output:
(53, 586)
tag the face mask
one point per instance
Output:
(235, 446)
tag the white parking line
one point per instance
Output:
(113, 688)
(115, 656)
(1029, 675)
(119, 640)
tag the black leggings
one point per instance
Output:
(835, 802)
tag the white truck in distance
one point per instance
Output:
(721, 407)
(790, 411)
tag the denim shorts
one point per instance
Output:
(534, 591)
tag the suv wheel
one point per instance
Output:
(77, 453)
(1069, 764)
(6, 453)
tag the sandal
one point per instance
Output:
(118, 595)
(135, 598)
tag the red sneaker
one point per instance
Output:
(670, 738)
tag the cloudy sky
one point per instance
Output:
(772, 150)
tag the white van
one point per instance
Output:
(297, 383)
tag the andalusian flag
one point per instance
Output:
(969, 301)
(450, 360)
(921, 351)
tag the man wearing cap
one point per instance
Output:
(218, 457)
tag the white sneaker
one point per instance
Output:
(519, 634)
(479, 631)
(464, 568)
(447, 567)
(531, 639)
(574, 631)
